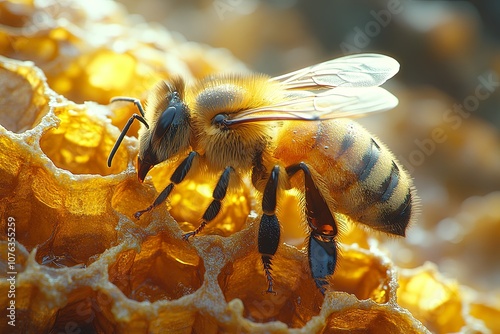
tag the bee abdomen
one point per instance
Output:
(362, 176)
(381, 193)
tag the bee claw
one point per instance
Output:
(138, 214)
(188, 235)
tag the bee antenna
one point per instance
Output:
(124, 132)
(133, 100)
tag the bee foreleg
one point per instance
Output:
(214, 208)
(269, 228)
(322, 249)
(177, 177)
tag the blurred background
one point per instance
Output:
(446, 127)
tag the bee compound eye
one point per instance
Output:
(167, 117)
(219, 119)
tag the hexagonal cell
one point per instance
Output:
(366, 317)
(34, 220)
(51, 214)
(31, 311)
(78, 240)
(82, 143)
(363, 274)
(131, 196)
(180, 318)
(87, 311)
(431, 298)
(23, 99)
(67, 219)
(296, 300)
(164, 269)
(11, 160)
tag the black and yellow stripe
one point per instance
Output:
(362, 176)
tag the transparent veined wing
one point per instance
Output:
(332, 103)
(361, 70)
(342, 87)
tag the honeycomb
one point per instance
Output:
(82, 264)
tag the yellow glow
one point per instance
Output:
(426, 292)
(111, 71)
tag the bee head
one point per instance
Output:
(169, 130)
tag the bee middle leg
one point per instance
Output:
(322, 250)
(214, 208)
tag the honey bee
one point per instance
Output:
(238, 125)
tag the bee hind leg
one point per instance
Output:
(269, 228)
(214, 208)
(322, 250)
(322, 253)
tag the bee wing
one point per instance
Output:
(343, 87)
(332, 103)
(362, 70)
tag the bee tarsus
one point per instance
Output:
(266, 260)
(186, 236)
